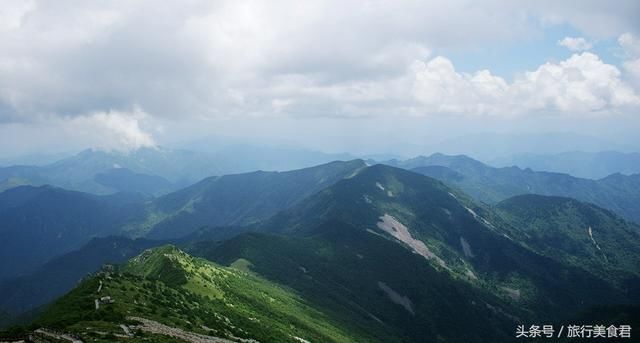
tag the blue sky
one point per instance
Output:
(507, 59)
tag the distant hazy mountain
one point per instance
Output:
(178, 166)
(124, 180)
(38, 223)
(618, 193)
(593, 165)
(93, 170)
(490, 146)
(242, 158)
(21, 175)
(34, 159)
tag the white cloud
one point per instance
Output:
(246, 59)
(114, 130)
(575, 44)
(441, 89)
(108, 130)
(12, 13)
(580, 84)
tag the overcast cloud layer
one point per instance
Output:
(118, 73)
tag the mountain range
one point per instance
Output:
(340, 252)
(157, 170)
(489, 146)
(618, 193)
(590, 165)
(237, 199)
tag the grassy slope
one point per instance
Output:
(339, 271)
(171, 287)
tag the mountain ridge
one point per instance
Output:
(619, 193)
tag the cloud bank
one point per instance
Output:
(582, 83)
(201, 60)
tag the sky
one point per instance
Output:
(338, 76)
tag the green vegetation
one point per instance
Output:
(237, 199)
(576, 233)
(497, 258)
(358, 254)
(168, 286)
(339, 270)
(618, 193)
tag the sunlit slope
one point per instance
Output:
(192, 295)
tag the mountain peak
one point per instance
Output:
(166, 263)
(240, 199)
(439, 159)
